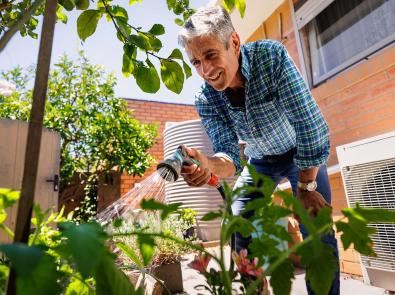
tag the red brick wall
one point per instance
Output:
(357, 103)
(155, 113)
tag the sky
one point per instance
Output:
(104, 48)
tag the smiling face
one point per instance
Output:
(216, 64)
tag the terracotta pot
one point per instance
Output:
(171, 275)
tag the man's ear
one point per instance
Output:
(235, 42)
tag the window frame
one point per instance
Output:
(303, 16)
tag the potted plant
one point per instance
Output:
(187, 216)
(164, 264)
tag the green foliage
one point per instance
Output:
(87, 23)
(187, 216)
(72, 260)
(98, 132)
(147, 78)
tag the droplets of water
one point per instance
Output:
(153, 187)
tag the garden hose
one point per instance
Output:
(172, 167)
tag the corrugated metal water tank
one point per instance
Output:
(202, 199)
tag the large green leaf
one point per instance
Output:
(321, 266)
(370, 214)
(356, 232)
(110, 280)
(87, 23)
(141, 41)
(172, 75)
(86, 243)
(157, 29)
(147, 78)
(36, 271)
(280, 278)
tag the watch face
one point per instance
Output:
(311, 186)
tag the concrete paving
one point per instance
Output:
(348, 284)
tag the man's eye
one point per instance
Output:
(195, 63)
(210, 55)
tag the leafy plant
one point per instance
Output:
(23, 16)
(98, 132)
(70, 259)
(187, 216)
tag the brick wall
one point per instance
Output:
(155, 113)
(357, 103)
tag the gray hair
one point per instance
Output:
(207, 21)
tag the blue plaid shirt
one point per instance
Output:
(279, 114)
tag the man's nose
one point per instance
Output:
(206, 68)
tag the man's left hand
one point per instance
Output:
(313, 200)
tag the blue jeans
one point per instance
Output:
(279, 167)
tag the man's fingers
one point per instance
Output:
(188, 169)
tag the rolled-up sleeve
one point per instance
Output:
(223, 138)
(312, 132)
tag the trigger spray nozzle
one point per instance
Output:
(173, 164)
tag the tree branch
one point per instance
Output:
(15, 27)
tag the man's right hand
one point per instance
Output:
(195, 175)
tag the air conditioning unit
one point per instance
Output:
(368, 171)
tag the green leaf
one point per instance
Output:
(119, 13)
(147, 247)
(211, 215)
(60, 15)
(36, 271)
(141, 41)
(172, 75)
(157, 29)
(82, 4)
(67, 4)
(321, 265)
(86, 243)
(130, 253)
(132, 2)
(155, 43)
(241, 6)
(87, 23)
(356, 232)
(110, 280)
(179, 22)
(147, 78)
(238, 224)
(369, 215)
(176, 54)
(170, 4)
(76, 287)
(281, 278)
(228, 4)
(8, 197)
(166, 209)
(187, 70)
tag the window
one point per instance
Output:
(345, 32)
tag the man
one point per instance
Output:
(254, 93)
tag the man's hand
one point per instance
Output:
(195, 175)
(313, 200)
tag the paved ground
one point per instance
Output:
(349, 286)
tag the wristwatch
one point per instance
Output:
(307, 186)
